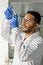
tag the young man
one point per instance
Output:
(28, 49)
(29, 44)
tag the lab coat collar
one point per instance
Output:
(34, 35)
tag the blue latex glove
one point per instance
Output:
(8, 13)
(14, 21)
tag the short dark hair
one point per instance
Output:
(36, 15)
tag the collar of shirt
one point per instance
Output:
(36, 34)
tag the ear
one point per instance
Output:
(37, 25)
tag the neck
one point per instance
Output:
(29, 34)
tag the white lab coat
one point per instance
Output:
(29, 51)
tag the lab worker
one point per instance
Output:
(28, 45)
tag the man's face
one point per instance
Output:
(28, 23)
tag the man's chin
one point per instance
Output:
(26, 31)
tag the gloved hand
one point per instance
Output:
(8, 13)
(14, 21)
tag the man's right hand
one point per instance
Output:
(8, 13)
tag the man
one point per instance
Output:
(28, 46)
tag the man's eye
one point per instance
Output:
(27, 20)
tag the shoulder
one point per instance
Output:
(37, 37)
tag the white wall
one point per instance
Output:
(3, 6)
(3, 43)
